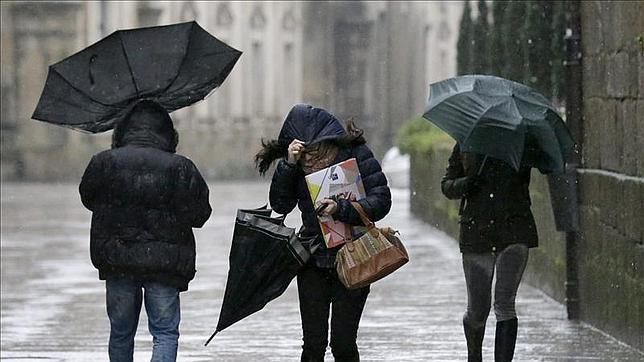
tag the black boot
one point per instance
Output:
(474, 338)
(505, 339)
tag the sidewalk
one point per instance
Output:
(53, 304)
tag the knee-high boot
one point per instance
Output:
(505, 340)
(474, 338)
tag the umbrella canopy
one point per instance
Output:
(264, 258)
(500, 118)
(174, 65)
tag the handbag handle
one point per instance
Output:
(363, 215)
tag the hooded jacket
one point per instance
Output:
(288, 187)
(145, 200)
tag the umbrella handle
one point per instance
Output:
(482, 165)
(211, 337)
(89, 68)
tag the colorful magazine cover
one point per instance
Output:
(340, 181)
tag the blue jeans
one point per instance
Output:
(124, 297)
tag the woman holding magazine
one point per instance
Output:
(312, 139)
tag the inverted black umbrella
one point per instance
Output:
(175, 65)
(500, 118)
(264, 258)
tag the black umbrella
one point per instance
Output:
(175, 65)
(500, 118)
(264, 258)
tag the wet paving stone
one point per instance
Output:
(53, 305)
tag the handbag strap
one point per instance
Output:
(363, 215)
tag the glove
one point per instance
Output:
(473, 184)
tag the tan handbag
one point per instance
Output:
(370, 257)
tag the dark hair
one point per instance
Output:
(354, 136)
(273, 150)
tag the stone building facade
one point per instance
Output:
(373, 61)
(220, 133)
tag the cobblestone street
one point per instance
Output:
(53, 306)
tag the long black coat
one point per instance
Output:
(498, 212)
(145, 200)
(288, 187)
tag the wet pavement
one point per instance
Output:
(53, 306)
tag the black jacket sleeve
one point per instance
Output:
(454, 183)
(377, 202)
(91, 182)
(283, 191)
(193, 205)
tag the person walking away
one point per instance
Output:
(312, 139)
(496, 230)
(145, 199)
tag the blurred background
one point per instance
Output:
(369, 60)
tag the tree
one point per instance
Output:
(481, 51)
(496, 60)
(513, 39)
(537, 46)
(464, 44)
(558, 29)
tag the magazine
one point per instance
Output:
(339, 181)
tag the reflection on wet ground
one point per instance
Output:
(53, 304)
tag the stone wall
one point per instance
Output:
(611, 254)
(427, 201)
(613, 83)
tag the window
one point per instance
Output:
(188, 11)
(288, 85)
(257, 18)
(222, 98)
(289, 22)
(224, 17)
(257, 78)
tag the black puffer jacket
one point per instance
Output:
(288, 186)
(145, 200)
(497, 212)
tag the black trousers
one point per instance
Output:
(319, 291)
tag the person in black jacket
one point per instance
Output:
(145, 199)
(496, 230)
(312, 139)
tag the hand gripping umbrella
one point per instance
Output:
(174, 65)
(264, 258)
(499, 118)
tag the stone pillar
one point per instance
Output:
(43, 33)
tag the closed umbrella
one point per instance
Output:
(265, 256)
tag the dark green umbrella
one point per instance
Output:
(500, 118)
